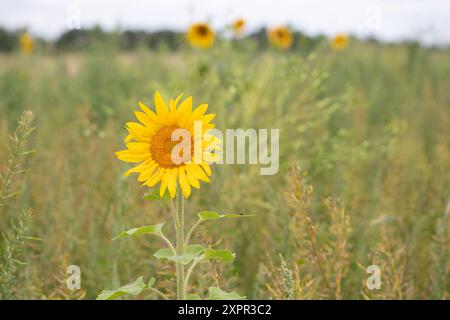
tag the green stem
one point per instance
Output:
(189, 272)
(189, 234)
(180, 244)
(169, 244)
(162, 295)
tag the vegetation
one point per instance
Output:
(369, 127)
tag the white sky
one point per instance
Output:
(426, 20)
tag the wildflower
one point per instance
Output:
(26, 43)
(340, 42)
(200, 35)
(151, 143)
(238, 27)
(280, 37)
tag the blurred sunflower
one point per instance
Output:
(200, 35)
(150, 144)
(238, 27)
(26, 43)
(339, 42)
(280, 37)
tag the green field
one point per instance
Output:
(364, 170)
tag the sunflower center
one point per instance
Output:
(280, 34)
(202, 31)
(162, 145)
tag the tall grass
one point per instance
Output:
(371, 125)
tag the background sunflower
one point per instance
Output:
(200, 35)
(280, 37)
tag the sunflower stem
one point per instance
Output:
(180, 244)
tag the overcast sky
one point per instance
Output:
(426, 20)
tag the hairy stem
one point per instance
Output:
(159, 293)
(189, 234)
(189, 272)
(180, 244)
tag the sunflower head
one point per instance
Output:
(200, 35)
(26, 43)
(238, 27)
(280, 37)
(171, 145)
(339, 42)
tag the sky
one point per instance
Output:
(425, 20)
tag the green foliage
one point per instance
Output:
(221, 255)
(15, 232)
(212, 215)
(133, 289)
(154, 195)
(216, 293)
(370, 124)
(191, 252)
(136, 232)
(13, 242)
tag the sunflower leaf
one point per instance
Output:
(193, 296)
(216, 293)
(134, 289)
(154, 195)
(212, 215)
(221, 255)
(191, 252)
(136, 232)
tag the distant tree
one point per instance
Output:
(8, 40)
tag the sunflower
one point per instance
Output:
(339, 42)
(238, 27)
(200, 35)
(280, 37)
(150, 143)
(26, 43)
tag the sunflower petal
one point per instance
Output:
(147, 172)
(155, 178)
(197, 172)
(185, 108)
(163, 186)
(207, 168)
(198, 113)
(137, 169)
(192, 180)
(172, 181)
(161, 108)
(129, 156)
(184, 184)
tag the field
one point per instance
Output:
(364, 175)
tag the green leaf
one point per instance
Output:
(191, 252)
(134, 289)
(193, 296)
(216, 293)
(212, 215)
(151, 282)
(154, 195)
(153, 229)
(222, 255)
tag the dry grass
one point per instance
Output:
(370, 124)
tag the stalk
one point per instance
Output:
(179, 225)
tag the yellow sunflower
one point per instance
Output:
(339, 42)
(200, 35)
(280, 37)
(26, 43)
(238, 27)
(151, 144)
